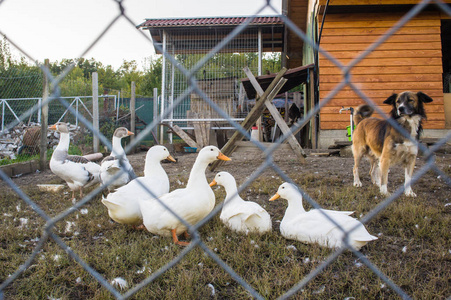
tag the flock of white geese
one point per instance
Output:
(146, 201)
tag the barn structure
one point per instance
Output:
(416, 57)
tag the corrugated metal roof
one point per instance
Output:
(210, 21)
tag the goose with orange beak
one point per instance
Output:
(122, 204)
(192, 203)
(116, 162)
(314, 227)
(237, 214)
(77, 171)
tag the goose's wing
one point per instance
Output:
(245, 216)
(245, 209)
(313, 224)
(77, 159)
(348, 213)
(78, 170)
(107, 158)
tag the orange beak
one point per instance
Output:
(276, 196)
(130, 133)
(53, 127)
(223, 157)
(213, 183)
(171, 158)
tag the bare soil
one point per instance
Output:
(336, 169)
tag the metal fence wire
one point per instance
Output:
(48, 232)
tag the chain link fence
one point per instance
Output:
(50, 235)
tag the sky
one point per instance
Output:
(58, 29)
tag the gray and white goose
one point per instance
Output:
(77, 171)
(115, 162)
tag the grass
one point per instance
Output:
(413, 249)
(73, 150)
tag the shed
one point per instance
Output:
(189, 40)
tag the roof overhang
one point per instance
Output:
(295, 76)
(193, 34)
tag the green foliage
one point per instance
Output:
(17, 78)
(78, 82)
(107, 128)
(152, 76)
(73, 150)
(271, 63)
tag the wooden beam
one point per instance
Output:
(95, 110)
(278, 118)
(253, 115)
(133, 110)
(44, 122)
(312, 101)
(184, 136)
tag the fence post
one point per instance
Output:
(95, 110)
(163, 87)
(44, 122)
(313, 120)
(155, 111)
(118, 105)
(132, 109)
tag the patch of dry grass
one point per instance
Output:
(413, 249)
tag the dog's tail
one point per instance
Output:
(362, 112)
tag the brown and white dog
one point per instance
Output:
(383, 144)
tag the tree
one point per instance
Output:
(109, 79)
(18, 79)
(152, 76)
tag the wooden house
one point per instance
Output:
(415, 57)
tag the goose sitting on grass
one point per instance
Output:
(123, 204)
(192, 203)
(77, 171)
(112, 164)
(237, 214)
(314, 227)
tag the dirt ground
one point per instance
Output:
(419, 225)
(246, 160)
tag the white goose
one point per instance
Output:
(123, 204)
(77, 171)
(192, 203)
(237, 214)
(112, 164)
(314, 227)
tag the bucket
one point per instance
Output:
(348, 134)
(254, 133)
(190, 149)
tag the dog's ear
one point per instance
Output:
(391, 100)
(424, 98)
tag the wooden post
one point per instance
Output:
(312, 106)
(163, 87)
(44, 122)
(95, 110)
(286, 107)
(132, 109)
(297, 149)
(155, 112)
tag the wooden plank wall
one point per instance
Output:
(297, 13)
(408, 60)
